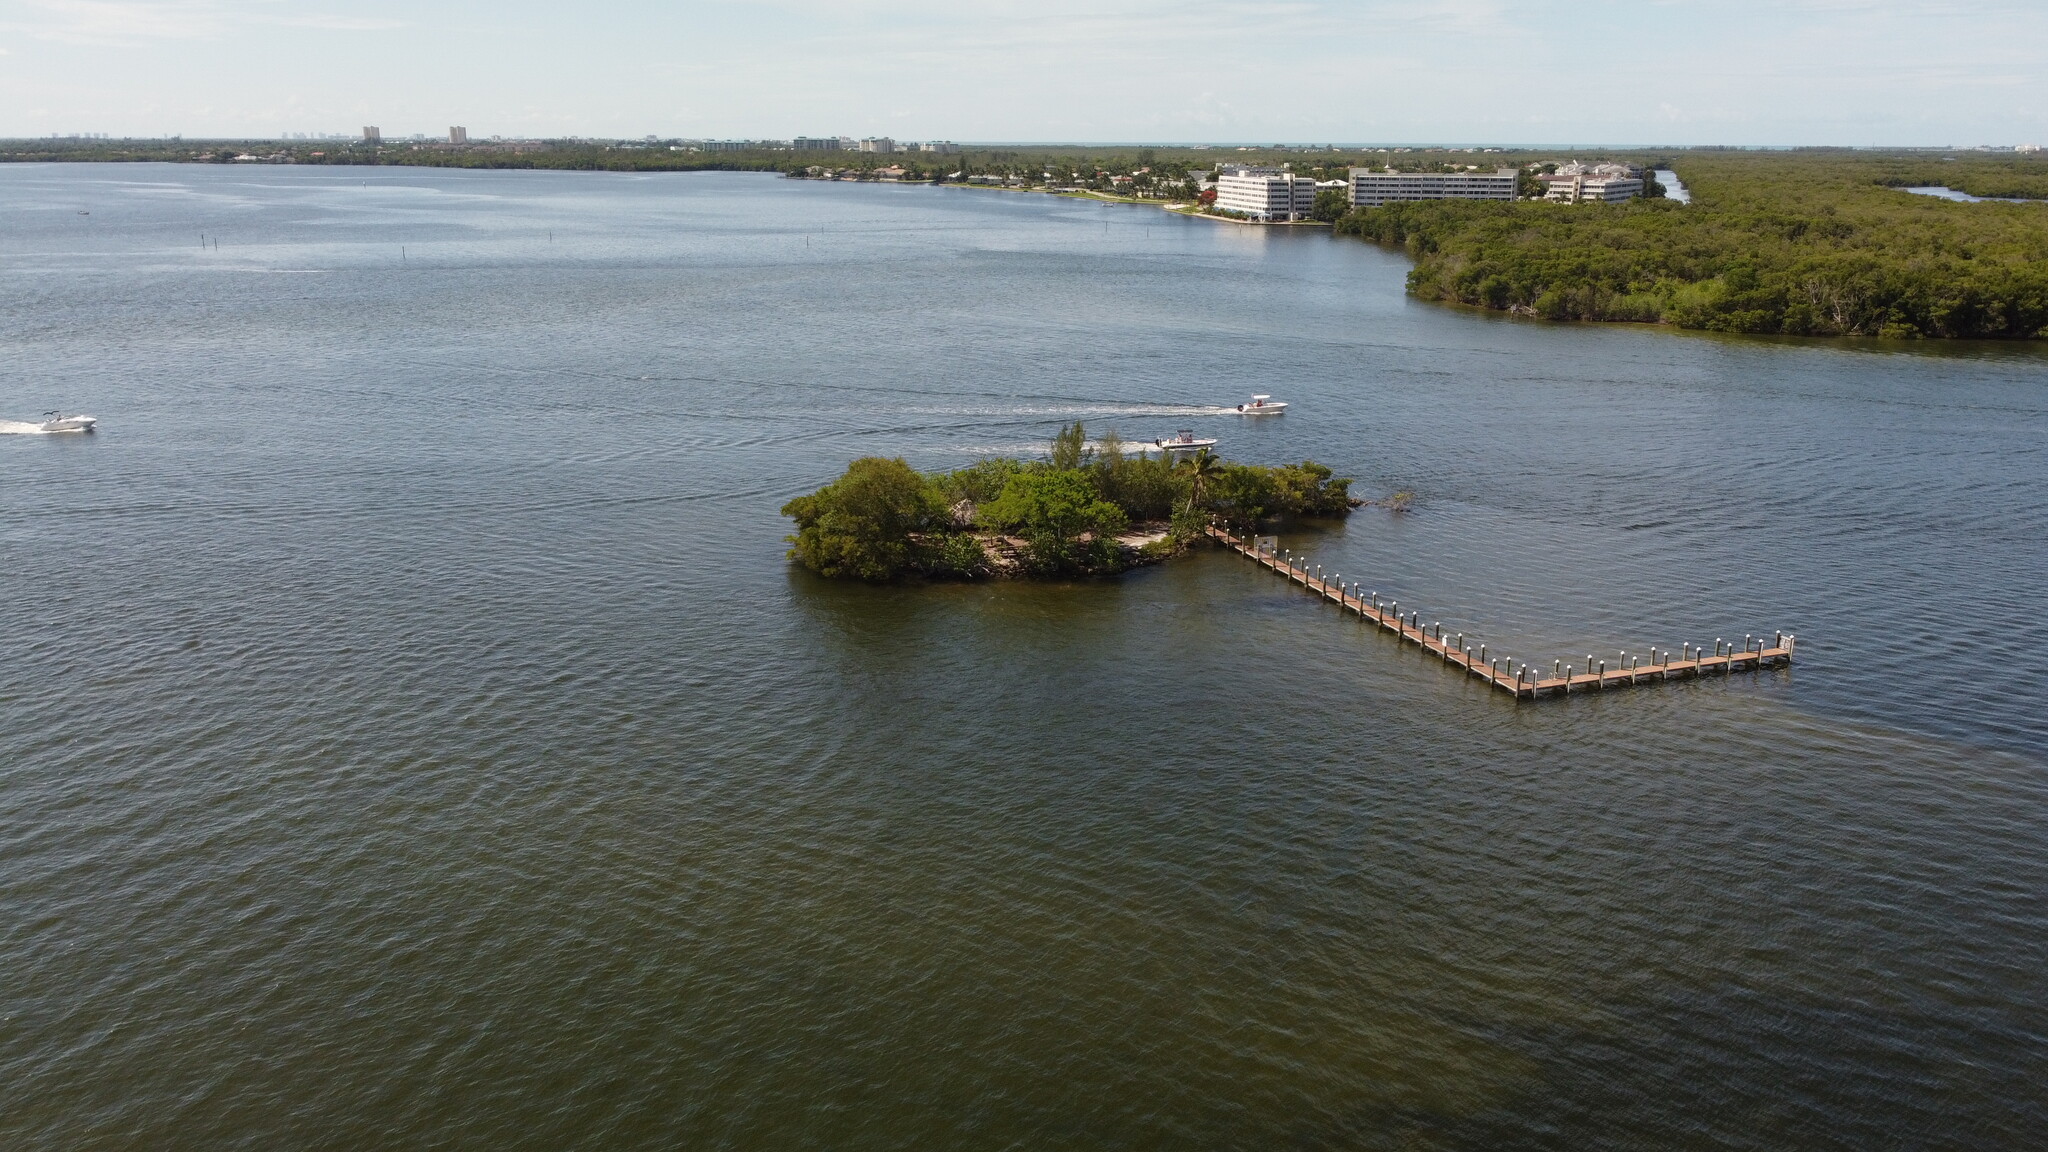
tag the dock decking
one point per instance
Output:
(1518, 679)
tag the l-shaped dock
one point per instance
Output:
(1521, 680)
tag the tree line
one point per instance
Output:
(1794, 243)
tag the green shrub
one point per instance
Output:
(959, 556)
(1053, 511)
(861, 525)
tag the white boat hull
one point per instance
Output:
(70, 424)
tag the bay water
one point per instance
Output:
(413, 735)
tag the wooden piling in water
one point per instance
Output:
(1521, 683)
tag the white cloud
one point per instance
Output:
(334, 23)
(115, 22)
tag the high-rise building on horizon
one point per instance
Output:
(372, 134)
(816, 144)
(458, 135)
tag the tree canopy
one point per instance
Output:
(884, 521)
(862, 525)
(1795, 243)
(1062, 517)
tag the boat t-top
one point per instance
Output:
(1185, 440)
(59, 422)
(1262, 406)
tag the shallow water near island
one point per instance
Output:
(414, 735)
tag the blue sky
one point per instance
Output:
(1200, 71)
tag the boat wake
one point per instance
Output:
(21, 428)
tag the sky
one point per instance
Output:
(1535, 72)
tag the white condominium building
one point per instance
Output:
(1372, 187)
(1577, 183)
(1593, 189)
(1265, 194)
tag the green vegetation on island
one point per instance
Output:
(1082, 511)
(1800, 243)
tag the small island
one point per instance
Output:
(1085, 510)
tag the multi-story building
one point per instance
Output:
(815, 144)
(946, 147)
(877, 144)
(1372, 187)
(1265, 194)
(1577, 183)
(372, 134)
(458, 135)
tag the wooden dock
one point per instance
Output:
(1521, 680)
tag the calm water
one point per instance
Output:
(411, 734)
(1947, 193)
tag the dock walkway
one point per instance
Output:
(1518, 679)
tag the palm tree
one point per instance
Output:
(1201, 468)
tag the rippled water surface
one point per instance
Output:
(412, 736)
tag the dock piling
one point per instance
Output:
(1505, 672)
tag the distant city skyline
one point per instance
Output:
(1466, 72)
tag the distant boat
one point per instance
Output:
(1185, 440)
(1262, 406)
(59, 422)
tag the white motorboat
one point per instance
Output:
(59, 422)
(1262, 406)
(1185, 440)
